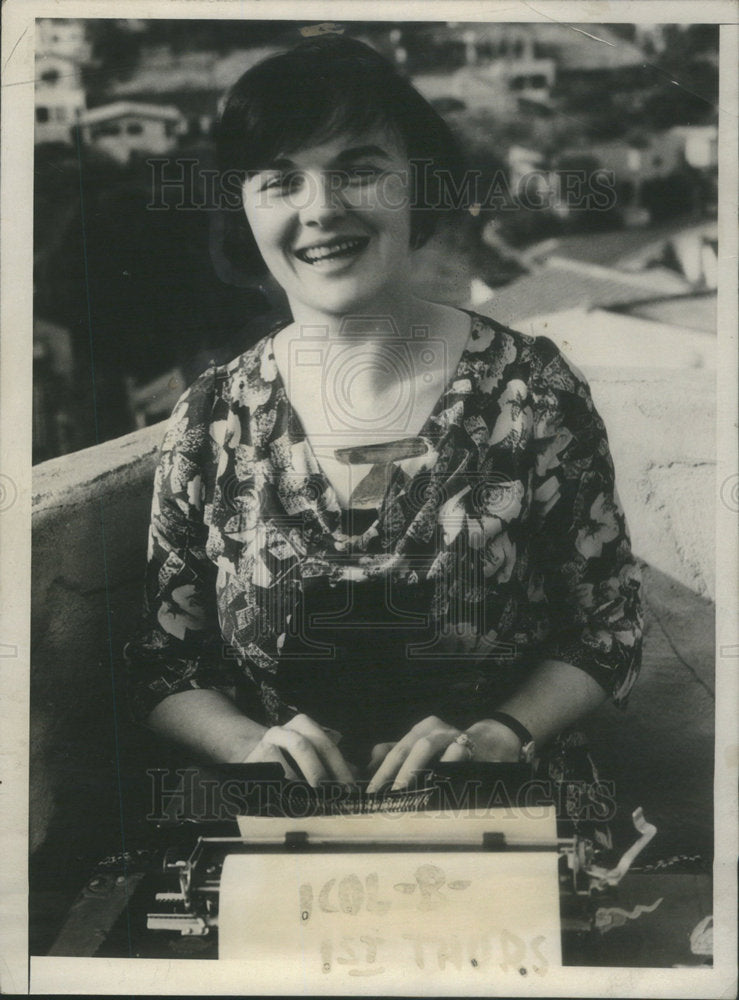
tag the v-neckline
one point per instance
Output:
(294, 421)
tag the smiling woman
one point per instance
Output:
(387, 534)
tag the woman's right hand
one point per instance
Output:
(309, 747)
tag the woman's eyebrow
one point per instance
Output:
(345, 156)
(280, 163)
(359, 152)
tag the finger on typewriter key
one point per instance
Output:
(411, 755)
(324, 742)
(378, 754)
(265, 752)
(300, 751)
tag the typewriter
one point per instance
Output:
(481, 866)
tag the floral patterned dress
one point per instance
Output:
(498, 540)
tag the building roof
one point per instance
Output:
(601, 338)
(565, 284)
(164, 72)
(616, 249)
(707, 131)
(121, 109)
(691, 312)
(191, 101)
(590, 47)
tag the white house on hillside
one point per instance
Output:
(61, 51)
(127, 127)
(499, 60)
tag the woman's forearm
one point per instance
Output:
(555, 695)
(207, 722)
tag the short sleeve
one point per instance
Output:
(179, 645)
(580, 540)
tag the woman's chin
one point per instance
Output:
(351, 288)
(337, 300)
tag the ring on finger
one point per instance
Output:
(467, 744)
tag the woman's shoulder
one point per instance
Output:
(487, 330)
(537, 356)
(190, 419)
(252, 379)
(223, 382)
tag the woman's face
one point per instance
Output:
(332, 222)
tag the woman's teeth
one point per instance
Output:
(332, 250)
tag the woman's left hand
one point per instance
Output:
(433, 739)
(487, 740)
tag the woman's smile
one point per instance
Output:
(333, 254)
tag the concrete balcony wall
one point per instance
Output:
(661, 427)
(90, 515)
(90, 512)
(659, 753)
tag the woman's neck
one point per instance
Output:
(368, 362)
(377, 350)
(373, 324)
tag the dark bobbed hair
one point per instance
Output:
(321, 88)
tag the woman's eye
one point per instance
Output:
(287, 182)
(361, 175)
(281, 182)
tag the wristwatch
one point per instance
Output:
(528, 747)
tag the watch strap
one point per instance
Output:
(515, 726)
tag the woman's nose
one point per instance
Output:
(322, 199)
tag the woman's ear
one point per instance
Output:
(233, 251)
(419, 236)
